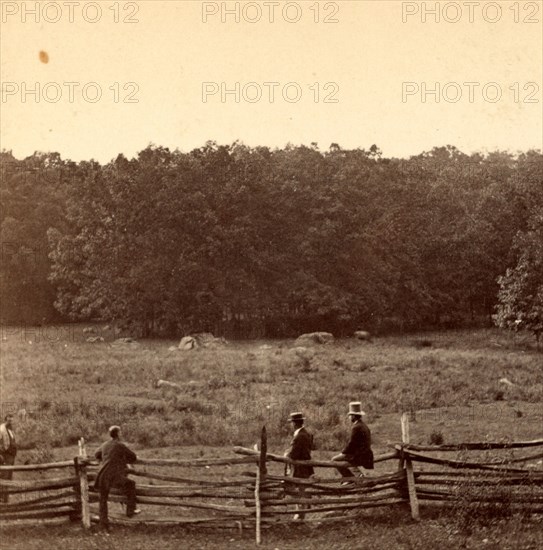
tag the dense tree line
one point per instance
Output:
(254, 241)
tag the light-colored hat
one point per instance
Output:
(296, 416)
(355, 408)
(113, 429)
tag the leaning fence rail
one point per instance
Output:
(197, 491)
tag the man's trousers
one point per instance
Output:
(128, 487)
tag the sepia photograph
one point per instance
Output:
(271, 274)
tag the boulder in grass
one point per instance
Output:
(203, 338)
(314, 338)
(363, 335)
(89, 330)
(94, 339)
(167, 384)
(125, 341)
(207, 340)
(219, 342)
(187, 343)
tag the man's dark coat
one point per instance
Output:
(114, 456)
(300, 449)
(358, 450)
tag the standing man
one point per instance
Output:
(358, 450)
(8, 451)
(115, 457)
(300, 449)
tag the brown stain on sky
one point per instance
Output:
(44, 57)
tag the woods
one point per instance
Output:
(250, 242)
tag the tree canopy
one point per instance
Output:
(252, 241)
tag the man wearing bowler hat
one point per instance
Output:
(300, 449)
(358, 450)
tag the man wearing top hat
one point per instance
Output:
(358, 450)
(300, 449)
(115, 457)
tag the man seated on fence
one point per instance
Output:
(115, 457)
(8, 451)
(358, 450)
(300, 449)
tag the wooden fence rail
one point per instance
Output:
(263, 496)
(40, 499)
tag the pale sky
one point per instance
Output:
(363, 61)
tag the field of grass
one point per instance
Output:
(70, 388)
(449, 381)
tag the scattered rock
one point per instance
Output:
(89, 330)
(107, 327)
(315, 338)
(216, 343)
(201, 340)
(173, 348)
(506, 382)
(187, 343)
(207, 340)
(265, 347)
(363, 335)
(124, 341)
(94, 339)
(167, 384)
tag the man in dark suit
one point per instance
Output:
(115, 457)
(300, 449)
(358, 450)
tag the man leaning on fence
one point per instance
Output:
(8, 451)
(358, 451)
(300, 449)
(115, 457)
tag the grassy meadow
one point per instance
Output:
(62, 387)
(450, 381)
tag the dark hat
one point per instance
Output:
(296, 416)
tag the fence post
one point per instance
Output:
(260, 475)
(81, 469)
(410, 476)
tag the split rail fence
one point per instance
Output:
(225, 495)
